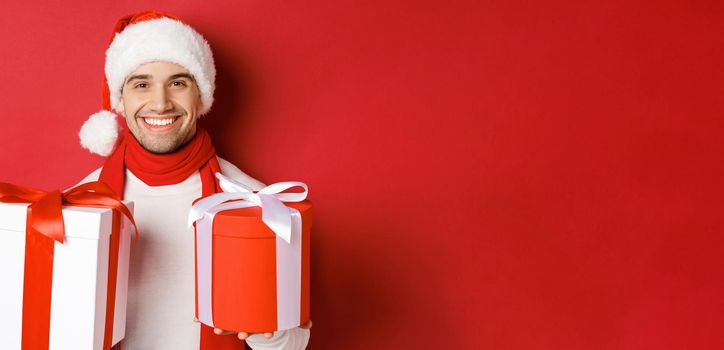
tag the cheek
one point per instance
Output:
(128, 104)
(188, 102)
(129, 116)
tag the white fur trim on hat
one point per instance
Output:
(161, 39)
(99, 133)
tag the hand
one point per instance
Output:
(244, 335)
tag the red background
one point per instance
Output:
(486, 174)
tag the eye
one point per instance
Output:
(178, 83)
(141, 85)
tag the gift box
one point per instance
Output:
(252, 257)
(56, 292)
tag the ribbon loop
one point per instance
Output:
(230, 185)
(275, 214)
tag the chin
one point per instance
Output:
(160, 147)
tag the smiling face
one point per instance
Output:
(160, 101)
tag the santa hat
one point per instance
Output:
(141, 38)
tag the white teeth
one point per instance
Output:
(158, 122)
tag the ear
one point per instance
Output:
(199, 104)
(121, 108)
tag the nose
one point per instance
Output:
(160, 102)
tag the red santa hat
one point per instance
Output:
(141, 38)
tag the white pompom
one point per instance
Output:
(99, 133)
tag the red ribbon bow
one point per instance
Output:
(46, 207)
(45, 218)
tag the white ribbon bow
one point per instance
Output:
(236, 195)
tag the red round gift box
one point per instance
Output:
(244, 282)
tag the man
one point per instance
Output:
(160, 78)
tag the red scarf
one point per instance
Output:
(162, 169)
(168, 169)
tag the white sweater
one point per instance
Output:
(160, 311)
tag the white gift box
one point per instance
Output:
(80, 278)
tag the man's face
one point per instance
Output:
(160, 101)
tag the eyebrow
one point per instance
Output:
(148, 76)
(139, 76)
(181, 75)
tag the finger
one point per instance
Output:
(268, 335)
(306, 325)
(243, 335)
(219, 331)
